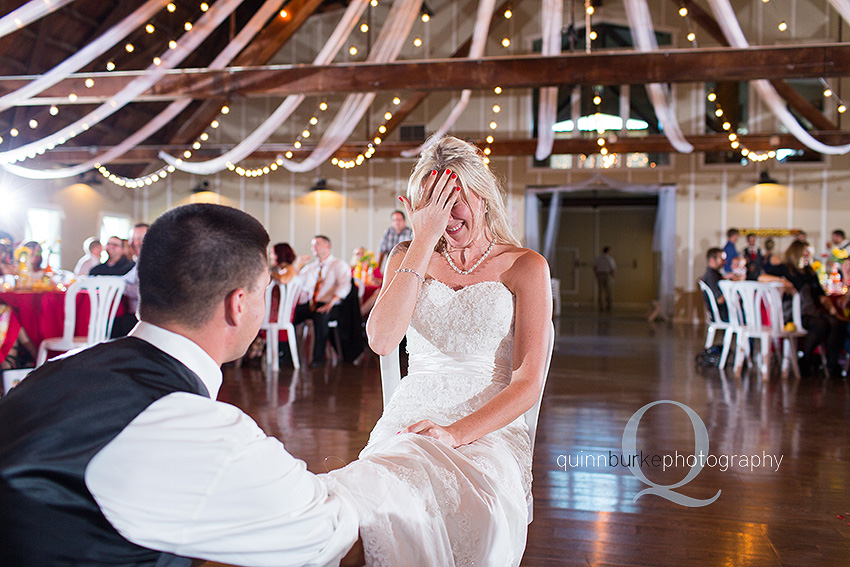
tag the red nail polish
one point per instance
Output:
(458, 188)
(454, 176)
(400, 199)
(433, 172)
(448, 171)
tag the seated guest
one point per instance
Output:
(92, 248)
(770, 258)
(116, 263)
(7, 247)
(125, 322)
(36, 260)
(120, 455)
(819, 315)
(285, 267)
(327, 281)
(739, 269)
(712, 277)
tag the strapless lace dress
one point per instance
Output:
(421, 502)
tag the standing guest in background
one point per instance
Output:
(603, 269)
(327, 281)
(92, 248)
(712, 277)
(801, 236)
(285, 266)
(152, 470)
(729, 249)
(397, 232)
(125, 322)
(116, 263)
(754, 257)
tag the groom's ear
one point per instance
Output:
(234, 306)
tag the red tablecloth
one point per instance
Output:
(42, 313)
(367, 293)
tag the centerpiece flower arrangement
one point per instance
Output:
(365, 266)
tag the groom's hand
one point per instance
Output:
(428, 428)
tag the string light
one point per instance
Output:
(593, 34)
(187, 26)
(508, 14)
(89, 83)
(425, 18)
(498, 90)
(171, 7)
(284, 14)
(14, 132)
(783, 26)
(110, 66)
(204, 6)
(54, 110)
(129, 47)
(683, 11)
(149, 28)
(506, 42)
(364, 27)
(33, 124)
(172, 44)
(352, 50)
(396, 101)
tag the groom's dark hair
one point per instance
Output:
(193, 257)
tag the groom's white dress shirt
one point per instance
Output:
(199, 478)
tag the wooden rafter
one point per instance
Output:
(667, 66)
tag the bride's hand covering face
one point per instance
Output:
(430, 215)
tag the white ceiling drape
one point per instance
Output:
(245, 35)
(190, 41)
(643, 32)
(551, 22)
(28, 13)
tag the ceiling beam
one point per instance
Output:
(665, 66)
(504, 147)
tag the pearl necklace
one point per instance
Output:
(475, 265)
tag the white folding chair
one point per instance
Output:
(391, 377)
(288, 296)
(716, 323)
(104, 296)
(753, 300)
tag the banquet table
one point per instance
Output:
(42, 313)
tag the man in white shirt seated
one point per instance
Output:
(327, 281)
(120, 455)
(93, 249)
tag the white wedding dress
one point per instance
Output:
(421, 502)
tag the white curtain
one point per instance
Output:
(217, 13)
(84, 56)
(254, 25)
(251, 142)
(643, 32)
(725, 16)
(28, 13)
(476, 51)
(551, 22)
(664, 242)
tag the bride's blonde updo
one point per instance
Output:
(467, 162)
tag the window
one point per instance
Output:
(114, 225)
(45, 227)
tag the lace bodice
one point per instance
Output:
(477, 319)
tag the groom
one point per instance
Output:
(120, 455)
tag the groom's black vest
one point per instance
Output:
(51, 425)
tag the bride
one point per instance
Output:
(445, 479)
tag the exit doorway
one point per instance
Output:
(571, 225)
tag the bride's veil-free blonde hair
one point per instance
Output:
(467, 162)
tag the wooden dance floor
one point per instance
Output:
(767, 511)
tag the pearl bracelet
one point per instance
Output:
(409, 271)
